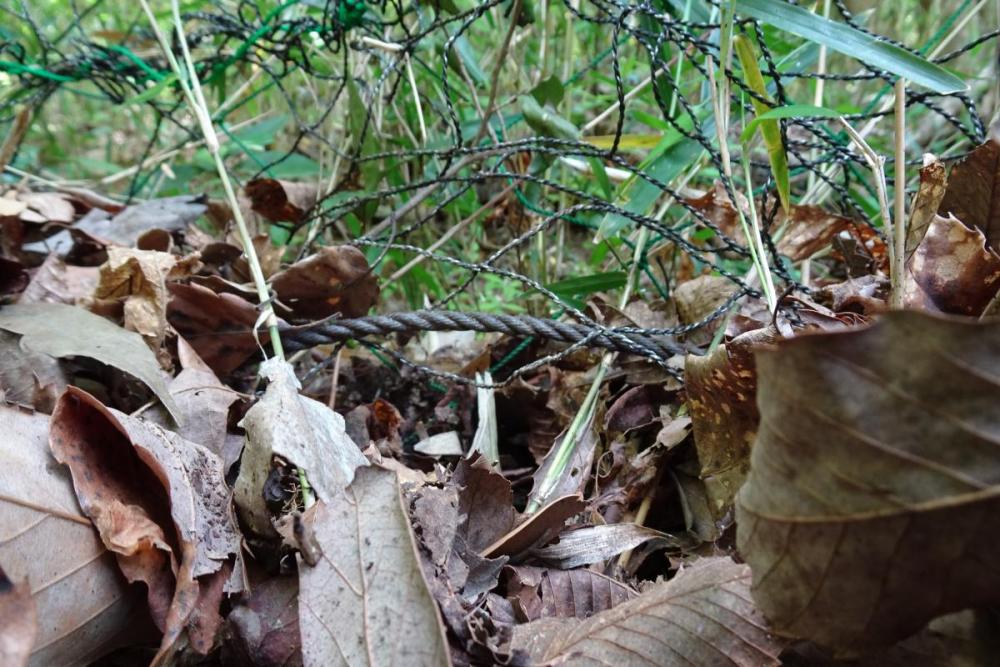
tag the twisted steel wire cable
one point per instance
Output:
(658, 348)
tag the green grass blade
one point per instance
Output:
(790, 111)
(845, 39)
(770, 130)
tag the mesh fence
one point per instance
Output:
(383, 107)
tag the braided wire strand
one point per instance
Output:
(629, 341)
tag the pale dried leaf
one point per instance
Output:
(83, 602)
(63, 331)
(366, 601)
(304, 432)
(703, 616)
(18, 621)
(873, 501)
(594, 544)
(137, 280)
(57, 282)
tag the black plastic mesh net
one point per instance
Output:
(383, 107)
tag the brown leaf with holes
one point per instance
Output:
(703, 616)
(952, 270)
(722, 395)
(973, 194)
(281, 201)
(336, 280)
(161, 505)
(873, 500)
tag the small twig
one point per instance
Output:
(22, 121)
(416, 99)
(515, 13)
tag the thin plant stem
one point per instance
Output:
(899, 226)
(190, 85)
(564, 454)
(877, 164)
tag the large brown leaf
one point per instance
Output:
(366, 601)
(873, 501)
(337, 279)
(701, 617)
(83, 603)
(160, 504)
(973, 194)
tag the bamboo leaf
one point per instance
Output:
(790, 111)
(852, 42)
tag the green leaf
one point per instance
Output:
(545, 122)
(261, 134)
(549, 91)
(584, 285)
(769, 129)
(790, 111)
(849, 41)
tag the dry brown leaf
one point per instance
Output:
(171, 214)
(145, 487)
(281, 201)
(218, 326)
(873, 501)
(61, 331)
(303, 432)
(716, 205)
(697, 299)
(809, 229)
(55, 281)
(45, 207)
(84, 604)
(923, 209)
(336, 279)
(594, 544)
(263, 628)
(973, 194)
(952, 270)
(366, 601)
(703, 616)
(536, 529)
(137, 280)
(203, 402)
(544, 593)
